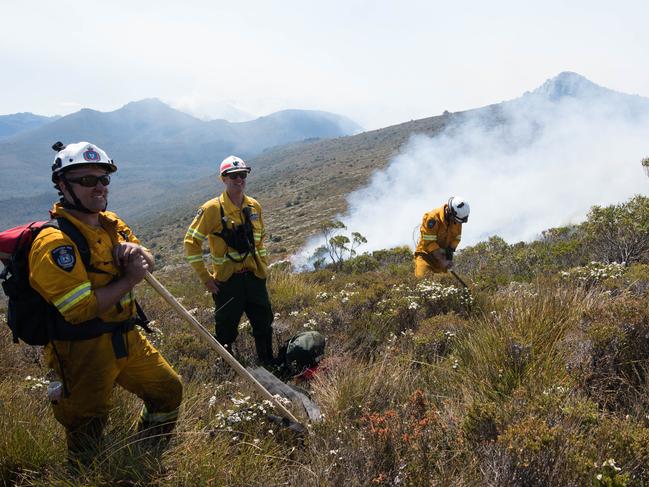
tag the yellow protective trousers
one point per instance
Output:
(425, 266)
(91, 370)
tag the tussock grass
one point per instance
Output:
(519, 341)
(23, 448)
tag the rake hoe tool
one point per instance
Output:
(292, 421)
(432, 263)
(458, 278)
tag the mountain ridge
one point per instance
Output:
(148, 134)
(15, 123)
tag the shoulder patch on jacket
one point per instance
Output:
(254, 215)
(64, 257)
(431, 223)
(199, 212)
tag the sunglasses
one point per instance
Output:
(235, 175)
(91, 181)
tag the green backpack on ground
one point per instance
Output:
(304, 350)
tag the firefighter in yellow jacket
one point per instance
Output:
(95, 343)
(234, 228)
(441, 231)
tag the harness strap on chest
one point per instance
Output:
(228, 234)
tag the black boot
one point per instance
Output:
(264, 345)
(85, 442)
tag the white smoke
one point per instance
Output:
(537, 162)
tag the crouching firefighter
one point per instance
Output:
(234, 228)
(440, 234)
(86, 265)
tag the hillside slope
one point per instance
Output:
(299, 185)
(154, 145)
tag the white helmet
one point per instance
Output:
(79, 154)
(459, 209)
(233, 164)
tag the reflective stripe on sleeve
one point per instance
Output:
(261, 252)
(194, 258)
(257, 236)
(218, 260)
(73, 297)
(430, 238)
(234, 255)
(195, 234)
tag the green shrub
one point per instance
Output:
(618, 329)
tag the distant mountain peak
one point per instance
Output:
(568, 84)
(146, 103)
(155, 111)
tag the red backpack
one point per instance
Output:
(29, 316)
(16, 237)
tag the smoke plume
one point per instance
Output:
(526, 165)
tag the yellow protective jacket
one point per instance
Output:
(208, 221)
(438, 233)
(59, 275)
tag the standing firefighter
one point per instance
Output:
(234, 228)
(95, 344)
(441, 231)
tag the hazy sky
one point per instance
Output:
(378, 62)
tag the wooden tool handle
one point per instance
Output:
(213, 342)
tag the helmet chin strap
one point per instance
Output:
(78, 205)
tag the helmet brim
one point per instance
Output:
(56, 175)
(105, 165)
(236, 169)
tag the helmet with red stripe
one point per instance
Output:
(233, 164)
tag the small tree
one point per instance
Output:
(337, 246)
(619, 233)
(357, 241)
